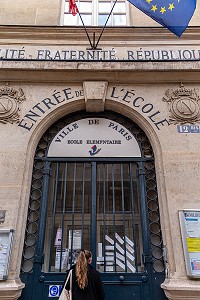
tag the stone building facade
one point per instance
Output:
(140, 84)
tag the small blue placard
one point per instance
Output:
(54, 290)
(188, 128)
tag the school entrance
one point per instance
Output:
(94, 187)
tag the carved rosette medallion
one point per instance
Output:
(183, 105)
(10, 104)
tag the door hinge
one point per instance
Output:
(38, 259)
(147, 259)
(140, 171)
(47, 171)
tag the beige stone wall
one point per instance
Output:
(176, 155)
(29, 12)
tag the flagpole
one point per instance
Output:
(105, 25)
(74, 9)
(85, 29)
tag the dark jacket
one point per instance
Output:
(93, 291)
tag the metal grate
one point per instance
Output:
(120, 238)
(154, 217)
(33, 217)
(39, 170)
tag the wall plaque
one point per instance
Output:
(183, 105)
(6, 239)
(10, 104)
(190, 231)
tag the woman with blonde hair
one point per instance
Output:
(86, 281)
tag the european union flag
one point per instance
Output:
(173, 14)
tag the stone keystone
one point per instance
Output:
(95, 94)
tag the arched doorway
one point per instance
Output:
(92, 189)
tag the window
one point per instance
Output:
(95, 13)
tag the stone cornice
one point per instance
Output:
(111, 71)
(118, 72)
(60, 34)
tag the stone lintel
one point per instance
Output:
(95, 93)
(181, 289)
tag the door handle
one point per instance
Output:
(121, 278)
(41, 278)
(144, 278)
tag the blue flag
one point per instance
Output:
(172, 14)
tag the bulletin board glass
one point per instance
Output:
(6, 238)
(190, 231)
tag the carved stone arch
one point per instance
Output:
(38, 171)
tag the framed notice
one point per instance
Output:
(65, 258)
(75, 235)
(6, 238)
(190, 231)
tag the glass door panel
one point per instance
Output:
(68, 216)
(119, 236)
(71, 217)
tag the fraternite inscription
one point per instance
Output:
(79, 53)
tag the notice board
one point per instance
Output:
(6, 238)
(190, 231)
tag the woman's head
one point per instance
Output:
(84, 258)
(88, 256)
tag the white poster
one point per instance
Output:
(192, 223)
(190, 229)
(76, 239)
(65, 257)
(6, 238)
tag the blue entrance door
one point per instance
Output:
(109, 207)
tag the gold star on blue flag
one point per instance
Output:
(172, 14)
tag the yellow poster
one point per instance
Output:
(193, 244)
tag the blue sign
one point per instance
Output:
(54, 290)
(188, 128)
